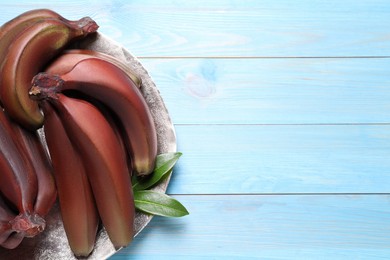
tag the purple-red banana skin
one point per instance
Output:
(13, 240)
(11, 29)
(39, 159)
(105, 165)
(19, 185)
(8, 237)
(69, 58)
(77, 204)
(108, 84)
(110, 117)
(6, 215)
(113, 121)
(27, 56)
(18, 181)
(47, 192)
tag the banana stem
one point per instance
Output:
(87, 25)
(45, 86)
(30, 224)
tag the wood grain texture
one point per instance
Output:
(234, 28)
(282, 159)
(282, 113)
(269, 227)
(274, 91)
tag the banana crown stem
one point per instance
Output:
(29, 224)
(87, 25)
(45, 86)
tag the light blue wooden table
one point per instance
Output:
(282, 112)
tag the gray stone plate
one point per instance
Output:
(52, 243)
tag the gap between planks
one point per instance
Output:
(296, 124)
(263, 57)
(288, 194)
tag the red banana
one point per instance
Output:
(13, 240)
(9, 238)
(77, 205)
(11, 29)
(18, 182)
(105, 162)
(27, 55)
(6, 215)
(40, 161)
(69, 58)
(109, 85)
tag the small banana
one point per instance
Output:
(18, 181)
(69, 58)
(11, 29)
(105, 164)
(27, 55)
(105, 82)
(77, 204)
(40, 161)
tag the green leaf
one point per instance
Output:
(164, 165)
(156, 203)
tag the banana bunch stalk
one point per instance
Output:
(98, 133)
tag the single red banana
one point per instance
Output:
(105, 165)
(40, 161)
(77, 204)
(69, 58)
(11, 29)
(113, 121)
(18, 182)
(28, 55)
(109, 85)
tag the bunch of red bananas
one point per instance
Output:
(98, 131)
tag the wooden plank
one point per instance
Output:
(269, 227)
(274, 91)
(223, 159)
(234, 28)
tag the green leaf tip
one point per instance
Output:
(164, 165)
(160, 204)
